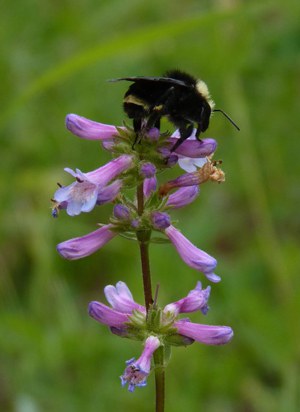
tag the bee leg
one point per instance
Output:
(198, 131)
(137, 126)
(154, 119)
(185, 131)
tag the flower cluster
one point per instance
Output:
(137, 164)
(161, 328)
(129, 169)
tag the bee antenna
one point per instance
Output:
(228, 118)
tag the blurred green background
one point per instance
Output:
(55, 59)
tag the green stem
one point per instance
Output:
(144, 253)
(159, 379)
(143, 238)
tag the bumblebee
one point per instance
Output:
(183, 99)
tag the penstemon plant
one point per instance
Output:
(144, 217)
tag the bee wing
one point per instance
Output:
(152, 79)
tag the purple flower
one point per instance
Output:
(88, 129)
(137, 371)
(191, 255)
(109, 193)
(120, 298)
(185, 180)
(153, 134)
(82, 195)
(135, 223)
(208, 171)
(183, 197)
(80, 247)
(126, 318)
(210, 335)
(107, 316)
(160, 220)
(193, 147)
(147, 170)
(121, 212)
(118, 318)
(196, 300)
(149, 186)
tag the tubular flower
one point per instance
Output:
(89, 129)
(108, 316)
(138, 370)
(208, 171)
(117, 317)
(80, 247)
(109, 193)
(196, 300)
(210, 335)
(191, 255)
(182, 197)
(82, 195)
(193, 148)
(126, 318)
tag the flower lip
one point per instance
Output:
(190, 164)
(120, 298)
(82, 195)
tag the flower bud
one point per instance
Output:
(147, 170)
(121, 212)
(160, 220)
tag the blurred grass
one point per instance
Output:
(55, 59)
